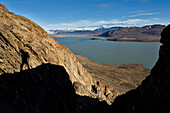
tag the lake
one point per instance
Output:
(113, 52)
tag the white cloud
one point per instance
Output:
(144, 14)
(94, 24)
(134, 21)
(72, 24)
(156, 18)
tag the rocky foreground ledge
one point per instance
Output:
(44, 89)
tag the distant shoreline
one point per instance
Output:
(125, 39)
(106, 38)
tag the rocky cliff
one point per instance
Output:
(145, 33)
(25, 45)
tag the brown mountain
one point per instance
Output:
(25, 45)
(145, 33)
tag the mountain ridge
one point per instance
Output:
(149, 33)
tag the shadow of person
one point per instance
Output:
(25, 57)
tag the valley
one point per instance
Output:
(121, 77)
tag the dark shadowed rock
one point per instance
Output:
(165, 35)
(44, 89)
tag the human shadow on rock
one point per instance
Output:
(25, 57)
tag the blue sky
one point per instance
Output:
(91, 14)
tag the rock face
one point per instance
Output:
(153, 95)
(25, 45)
(146, 33)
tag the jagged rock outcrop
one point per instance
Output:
(153, 95)
(18, 33)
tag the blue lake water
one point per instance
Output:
(113, 52)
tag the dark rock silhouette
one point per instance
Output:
(44, 89)
(165, 35)
(153, 95)
(25, 57)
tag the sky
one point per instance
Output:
(91, 14)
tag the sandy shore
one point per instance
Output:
(122, 77)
